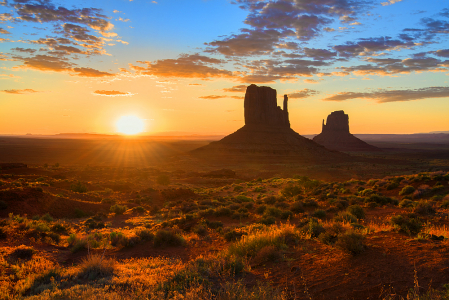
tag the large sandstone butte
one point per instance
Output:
(335, 135)
(267, 133)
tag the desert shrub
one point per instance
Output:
(223, 211)
(239, 216)
(107, 201)
(330, 236)
(345, 216)
(281, 204)
(3, 234)
(145, 235)
(96, 266)
(78, 187)
(207, 212)
(424, 208)
(270, 200)
(357, 211)
(297, 207)
(3, 204)
(118, 209)
(381, 200)
(392, 186)
(78, 244)
(79, 213)
(242, 198)
(139, 209)
(313, 227)
(117, 238)
(407, 224)
(310, 203)
(47, 217)
(234, 206)
(445, 204)
(58, 228)
(266, 220)
(291, 191)
(242, 210)
(23, 252)
(406, 203)
(286, 214)
(164, 237)
(319, 213)
(407, 190)
(271, 211)
(92, 224)
(45, 281)
(266, 254)
(351, 241)
(249, 205)
(261, 209)
(214, 224)
(163, 179)
(233, 235)
(180, 193)
(366, 192)
(200, 229)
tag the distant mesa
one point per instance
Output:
(8, 166)
(267, 132)
(335, 135)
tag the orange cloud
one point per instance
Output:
(112, 93)
(20, 92)
(213, 97)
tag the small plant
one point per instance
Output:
(118, 209)
(47, 217)
(351, 241)
(407, 224)
(78, 187)
(345, 216)
(164, 237)
(96, 266)
(291, 191)
(267, 254)
(424, 208)
(23, 252)
(407, 190)
(406, 203)
(357, 211)
(297, 207)
(319, 214)
(145, 235)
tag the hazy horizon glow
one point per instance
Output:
(183, 66)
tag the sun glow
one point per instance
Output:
(130, 125)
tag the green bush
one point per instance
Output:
(268, 220)
(286, 214)
(164, 237)
(261, 209)
(223, 211)
(406, 203)
(319, 213)
(78, 187)
(313, 228)
(424, 208)
(297, 207)
(407, 190)
(351, 241)
(271, 211)
(345, 216)
(118, 209)
(47, 217)
(407, 224)
(291, 191)
(392, 186)
(357, 211)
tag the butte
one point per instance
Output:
(267, 134)
(335, 135)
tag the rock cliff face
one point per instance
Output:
(267, 133)
(335, 135)
(261, 107)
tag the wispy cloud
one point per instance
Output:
(112, 93)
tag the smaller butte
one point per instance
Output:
(335, 135)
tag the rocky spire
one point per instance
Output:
(261, 107)
(337, 121)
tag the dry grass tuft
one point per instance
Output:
(96, 266)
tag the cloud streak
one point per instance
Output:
(385, 96)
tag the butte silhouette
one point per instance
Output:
(335, 135)
(267, 133)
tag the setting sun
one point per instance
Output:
(130, 125)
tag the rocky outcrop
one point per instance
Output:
(261, 107)
(335, 135)
(267, 133)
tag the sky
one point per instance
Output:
(183, 66)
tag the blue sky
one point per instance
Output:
(78, 66)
